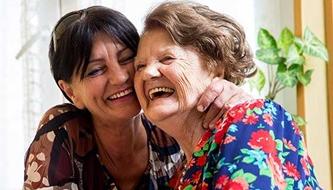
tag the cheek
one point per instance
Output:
(131, 71)
(184, 83)
(138, 86)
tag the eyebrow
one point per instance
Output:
(95, 60)
(122, 50)
(118, 54)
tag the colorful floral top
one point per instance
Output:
(257, 145)
(64, 154)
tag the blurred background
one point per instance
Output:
(28, 89)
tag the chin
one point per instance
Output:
(161, 114)
(129, 112)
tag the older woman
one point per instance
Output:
(101, 141)
(256, 144)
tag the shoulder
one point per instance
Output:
(63, 123)
(258, 133)
(260, 113)
(257, 123)
(62, 134)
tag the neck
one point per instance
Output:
(128, 136)
(123, 145)
(186, 129)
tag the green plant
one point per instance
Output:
(285, 58)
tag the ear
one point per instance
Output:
(70, 92)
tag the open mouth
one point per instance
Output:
(120, 94)
(160, 92)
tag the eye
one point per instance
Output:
(95, 71)
(167, 59)
(139, 66)
(127, 60)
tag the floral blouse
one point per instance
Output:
(257, 145)
(64, 155)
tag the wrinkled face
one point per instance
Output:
(107, 89)
(169, 78)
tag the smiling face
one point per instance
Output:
(169, 78)
(107, 89)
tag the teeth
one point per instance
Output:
(121, 94)
(159, 89)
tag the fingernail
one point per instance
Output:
(200, 108)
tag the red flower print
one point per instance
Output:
(203, 141)
(296, 128)
(203, 186)
(308, 188)
(289, 144)
(274, 165)
(268, 119)
(229, 139)
(221, 181)
(219, 135)
(236, 114)
(196, 176)
(305, 166)
(250, 119)
(201, 160)
(309, 160)
(237, 184)
(291, 170)
(256, 104)
(261, 139)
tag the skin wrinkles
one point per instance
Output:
(179, 72)
(186, 79)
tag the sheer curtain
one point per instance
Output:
(27, 86)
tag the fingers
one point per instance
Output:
(210, 94)
(217, 108)
(216, 111)
(211, 125)
(218, 98)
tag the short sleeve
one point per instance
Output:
(262, 149)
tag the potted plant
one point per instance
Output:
(285, 59)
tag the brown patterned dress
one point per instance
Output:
(63, 154)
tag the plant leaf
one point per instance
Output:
(313, 46)
(286, 77)
(294, 57)
(258, 81)
(265, 39)
(269, 56)
(286, 40)
(299, 44)
(305, 78)
(281, 68)
(299, 120)
(295, 68)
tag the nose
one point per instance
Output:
(118, 75)
(151, 71)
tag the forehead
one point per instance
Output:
(156, 36)
(104, 42)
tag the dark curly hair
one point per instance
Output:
(217, 37)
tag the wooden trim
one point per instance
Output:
(329, 44)
(298, 28)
